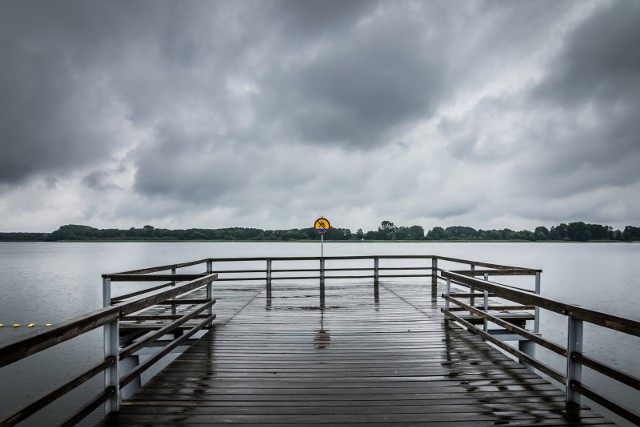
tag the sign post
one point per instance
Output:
(322, 227)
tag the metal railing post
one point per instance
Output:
(472, 298)
(174, 308)
(268, 279)
(112, 374)
(434, 278)
(210, 287)
(485, 325)
(536, 320)
(574, 369)
(106, 292)
(448, 294)
(322, 282)
(376, 270)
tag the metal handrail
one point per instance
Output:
(572, 377)
(27, 345)
(117, 309)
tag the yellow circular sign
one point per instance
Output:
(322, 225)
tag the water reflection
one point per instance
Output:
(321, 339)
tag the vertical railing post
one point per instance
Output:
(434, 278)
(112, 374)
(269, 279)
(472, 298)
(376, 270)
(536, 320)
(574, 369)
(210, 287)
(448, 294)
(174, 307)
(376, 280)
(485, 325)
(322, 282)
(106, 292)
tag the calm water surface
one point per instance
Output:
(51, 282)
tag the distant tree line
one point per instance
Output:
(573, 231)
(23, 237)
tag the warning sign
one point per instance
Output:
(322, 226)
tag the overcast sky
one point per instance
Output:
(269, 114)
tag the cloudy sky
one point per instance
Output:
(268, 114)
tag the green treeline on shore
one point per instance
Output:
(573, 231)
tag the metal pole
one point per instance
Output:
(574, 369)
(536, 321)
(111, 374)
(210, 286)
(174, 308)
(447, 293)
(106, 292)
(485, 325)
(434, 277)
(268, 279)
(472, 298)
(322, 245)
(322, 282)
(376, 271)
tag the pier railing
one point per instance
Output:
(576, 316)
(129, 325)
(110, 319)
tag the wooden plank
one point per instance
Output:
(362, 360)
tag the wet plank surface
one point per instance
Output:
(361, 360)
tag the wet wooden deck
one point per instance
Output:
(361, 360)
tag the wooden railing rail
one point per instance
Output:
(173, 285)
(109, 317)
(576, 316)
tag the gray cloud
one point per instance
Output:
(599, 61)
(201, 113)
(592, 99)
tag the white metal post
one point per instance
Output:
(112, 374)
(447, 293)
(174, 307)
(269, 279)
(536, 320)
(106, 292)
(472, 298)
(485, 325)
(322, 282)
(574, 369)
(376, 270)
(434, 279)
(210, 287)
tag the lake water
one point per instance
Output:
(52, 282)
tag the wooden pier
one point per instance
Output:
(358, 340)
(362, 360)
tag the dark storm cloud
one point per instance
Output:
(246, 110)
(58, 109)
(76, 75)
(600, 60)
(372, 63)
(311, 19)
(593, 89)
(370, 81)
